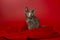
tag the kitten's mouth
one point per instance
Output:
(30, 17)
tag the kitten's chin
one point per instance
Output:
(29, 16)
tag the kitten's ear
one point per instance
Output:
(33, 11)
(26, 9)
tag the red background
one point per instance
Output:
(12, 18)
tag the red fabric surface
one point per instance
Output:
(14, 27)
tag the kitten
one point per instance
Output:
(31, 20)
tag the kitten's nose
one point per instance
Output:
(29, 14)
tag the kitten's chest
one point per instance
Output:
(29, 20)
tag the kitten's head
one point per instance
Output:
(29, 13)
